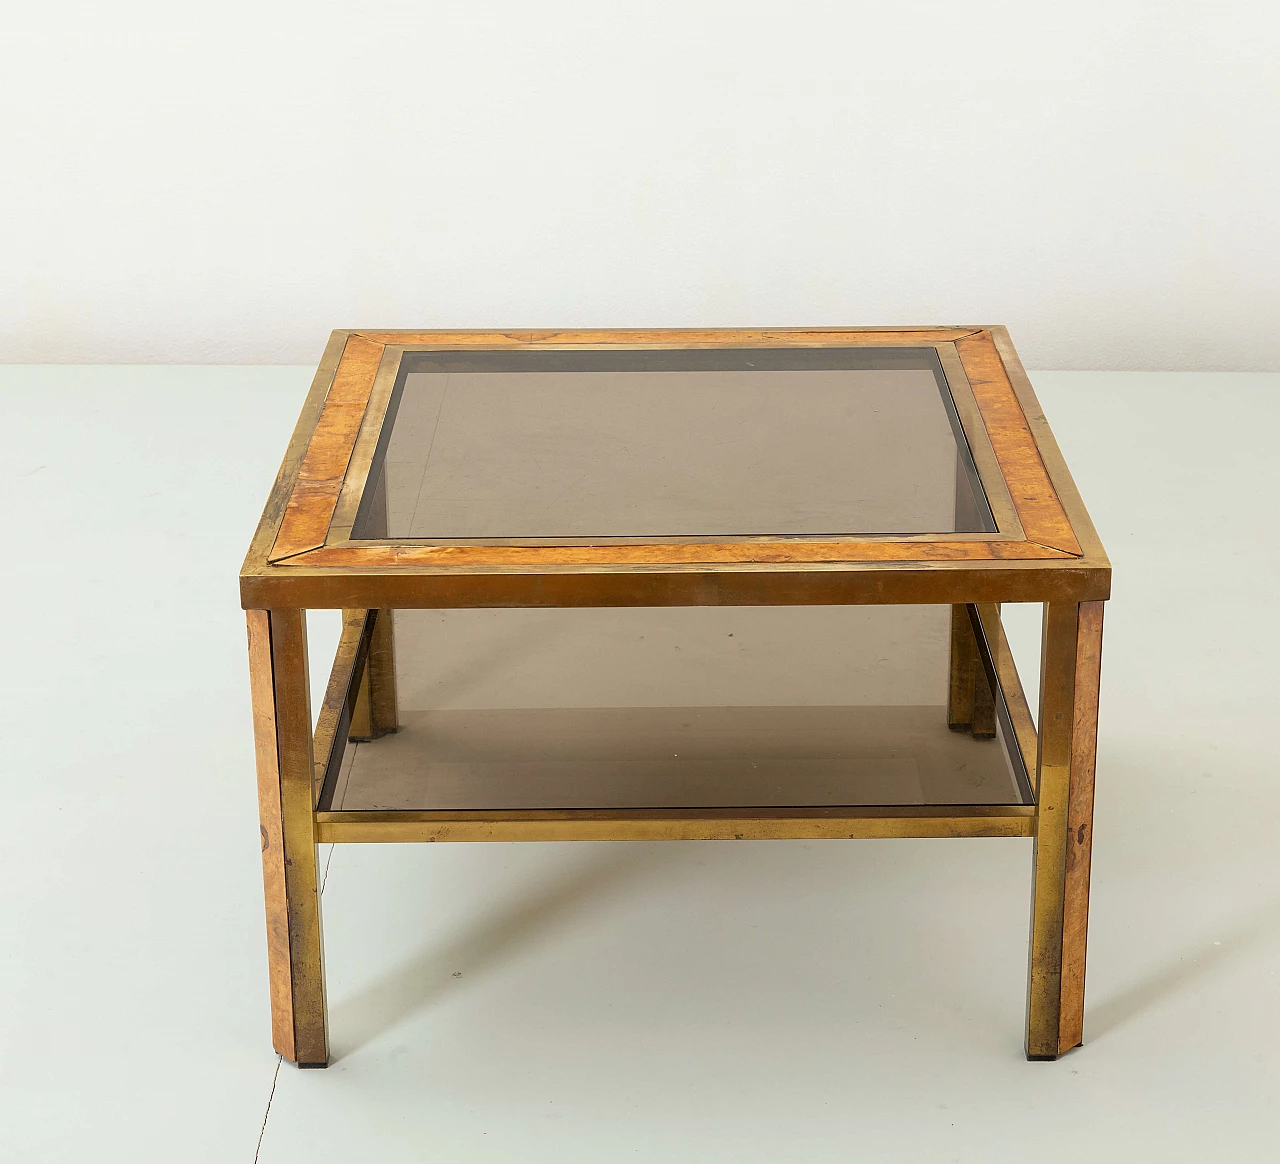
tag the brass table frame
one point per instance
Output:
(303, 557)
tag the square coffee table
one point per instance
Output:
(904, 480)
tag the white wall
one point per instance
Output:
(226, 182)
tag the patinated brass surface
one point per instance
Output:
(1044, 550)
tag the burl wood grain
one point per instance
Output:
(1041, 513)
(673, 555)
(315, 495)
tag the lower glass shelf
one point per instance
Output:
(674, 757)
(883, 745)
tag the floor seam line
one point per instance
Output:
(262, 1131)
(327, 862)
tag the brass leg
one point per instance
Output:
(1070, 667)
(282, 732)
(964, 664)
(376, 712)
(970, 701)
(984, 706)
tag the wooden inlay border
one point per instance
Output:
(1034, 497)
(306, 519)
(722, 553)
(305, 526)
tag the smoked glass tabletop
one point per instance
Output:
(567, 446)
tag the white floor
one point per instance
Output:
(777, 1001)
